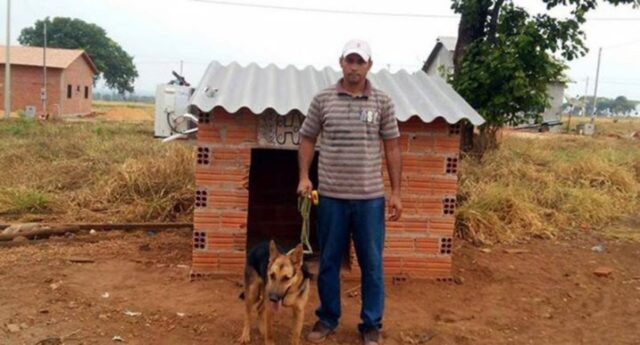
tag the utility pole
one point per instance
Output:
(7, 67)
(595, 90)
(181, 67)
(43, 94)
(584, 98)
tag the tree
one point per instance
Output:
(113, 63)
(504, 59)
(621, 105)
(606, 106)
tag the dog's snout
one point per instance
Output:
(273, 297)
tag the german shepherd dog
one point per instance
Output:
(272, 280)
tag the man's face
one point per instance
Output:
(354, 68)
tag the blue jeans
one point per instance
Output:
(338, 221)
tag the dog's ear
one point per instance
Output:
(273, 251)
(297, 255)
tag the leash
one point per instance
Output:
(304, 207)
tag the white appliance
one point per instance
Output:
(172, 101)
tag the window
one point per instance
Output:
(78, 88)
(69, 91)
(86, 92)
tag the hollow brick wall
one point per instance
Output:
(419, 245)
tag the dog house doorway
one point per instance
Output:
(273, 202)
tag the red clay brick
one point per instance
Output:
(212, 219)
(414, 124)
(427, 245)
(223, 155)
(394, 244)
(421, 143)
(441, 226)
(443, 185)
(414, 164)
(447, 144)
(421, 206)
(437, 126)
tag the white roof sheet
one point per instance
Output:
(284, 90)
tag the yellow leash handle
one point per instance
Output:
(304, 206)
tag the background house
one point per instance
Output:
(440, 60)
(69, 87)
(440, 63)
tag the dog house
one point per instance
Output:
(247, 174)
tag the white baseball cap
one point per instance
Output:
(359, 47)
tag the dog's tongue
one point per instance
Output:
(276, 305)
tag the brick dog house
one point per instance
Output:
(247, 175)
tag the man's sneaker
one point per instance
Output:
(319, 332)
(371, 337)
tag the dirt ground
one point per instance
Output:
(121, 112)
(546, 295)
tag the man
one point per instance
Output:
(353, 118)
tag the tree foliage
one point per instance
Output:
(114, 64)
(505, 57)
(605, 106)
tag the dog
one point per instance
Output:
(273, 280)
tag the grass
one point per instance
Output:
(25, 200)
(92, 171)
(609, 126)
(111, 104)
(534, 187)
(123, 111)
(114, 171)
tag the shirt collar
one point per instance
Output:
(365, 94)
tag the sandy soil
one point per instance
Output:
(547, 295)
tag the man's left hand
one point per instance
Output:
(395, 206)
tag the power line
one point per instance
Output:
(619, 83)
(145, 61)
(368, 13)
(616, 19)
(330, 11)
(623, 44)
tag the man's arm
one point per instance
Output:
(309, 131)
(394, 167)
(306, 152)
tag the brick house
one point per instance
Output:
(246, 166)
(70, 75)
(440, 62)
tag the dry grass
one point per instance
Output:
(111, 104)
(92, 171)
(543, 188)
(103, 171)
(609, 126)
(123, 111)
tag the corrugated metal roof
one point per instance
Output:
(284, 90)
(56, 57)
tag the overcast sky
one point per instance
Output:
(160, 33)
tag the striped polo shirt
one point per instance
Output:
(351, 128)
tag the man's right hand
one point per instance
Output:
(305, 187)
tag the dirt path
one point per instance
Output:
(548, 295)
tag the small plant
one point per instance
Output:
(24, 200)
(20, 126)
